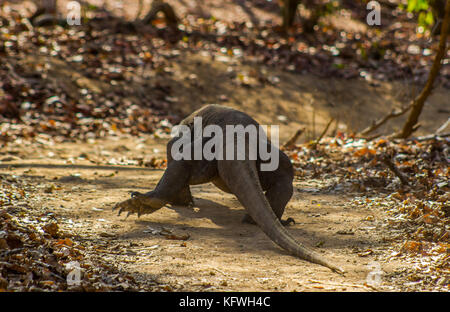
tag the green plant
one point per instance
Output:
(424, 8)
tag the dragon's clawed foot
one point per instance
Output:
(287, 222)
(140, 204)
(248, 219)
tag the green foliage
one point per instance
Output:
(417, 5)
(423, 7)
(91, 7)
(331, 6)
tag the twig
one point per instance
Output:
(443, 127)
(10, 251)
(324, 131)
(336, 127)
(431, 137)
(388, 162)
(314, 122)
(314, 143)
(394, 113)
(372, 137)
(289, 143)
(13, 73)
(371, 287)
(140, 7)
(223, 273)
(338, 284)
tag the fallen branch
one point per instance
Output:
(431, 137)
(372, 137)
(325, 130)
(389, 163)
(139, 10)
(443, 127)
(435, 136)
(13, 73)
(290, 143)
(314, 144)
(377, 124)
(341, 284)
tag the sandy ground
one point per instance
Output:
(82, 181)
(221, 253)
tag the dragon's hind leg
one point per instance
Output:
(278, 195)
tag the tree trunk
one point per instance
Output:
(438, 9)
(288, 11)
(419, 102)
(49, 6)
(45, 13)
(44, 7)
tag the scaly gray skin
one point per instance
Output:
(239, 177)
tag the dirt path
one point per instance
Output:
(221, 252)
(80, 182)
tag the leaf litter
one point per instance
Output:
(417, 215)
(38, 107)
(37, 246)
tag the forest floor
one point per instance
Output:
(360, 226)
(93, 120)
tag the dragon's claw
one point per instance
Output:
(139, 204)
(287, 222)
(136, 194)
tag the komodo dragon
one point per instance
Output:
(243, 178)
